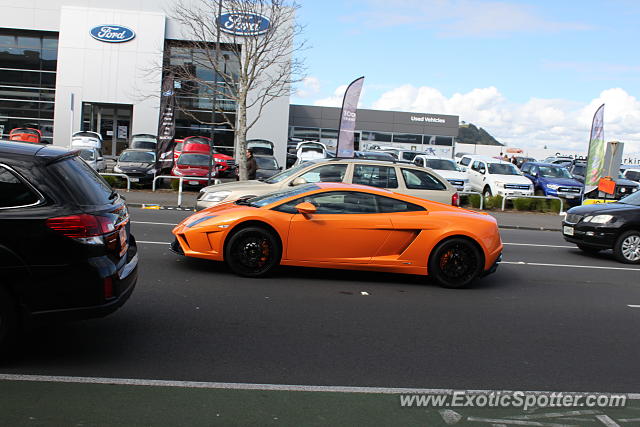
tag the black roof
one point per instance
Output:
(16, 150)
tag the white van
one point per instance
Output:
(86, 139)
(493, 177)
(446, 168)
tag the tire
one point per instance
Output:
(487, 192)
(589, 249)
(8, 322)
(627, 247)
(252, 252)
(455, 263)
(539, 193)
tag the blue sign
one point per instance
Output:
(243, 23)
(112, 33)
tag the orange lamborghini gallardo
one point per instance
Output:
(345, 226)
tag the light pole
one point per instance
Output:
(214, 97)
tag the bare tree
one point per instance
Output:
(252, 67)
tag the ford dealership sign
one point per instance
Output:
(112, 33)
(243, 23)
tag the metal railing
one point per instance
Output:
(505, 198)
(469, 193)
(120, 175)
(214, 181)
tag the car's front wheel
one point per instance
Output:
(627, 247)
(455, 263)
(252, 252)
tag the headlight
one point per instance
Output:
(553, 186)
(218, 160)
(634, 190)
(216, 196)
(598, 219)
(151, 171)
(116, 169)
(500, 183)
(177, 172)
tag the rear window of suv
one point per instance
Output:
(87, 187)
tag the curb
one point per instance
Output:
(520, 227)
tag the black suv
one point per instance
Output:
(65, 246)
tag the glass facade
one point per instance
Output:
(370, 137)
(28, 62)
(194, 99)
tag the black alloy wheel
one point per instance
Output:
(252, 252)
(627, 247)
(455, 263)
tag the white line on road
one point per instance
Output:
(539, 246)
(633, 306)
(540, 264)
(267, 387)
(153, 223)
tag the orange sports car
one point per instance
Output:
(345, 226)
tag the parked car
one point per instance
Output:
(267, 166)
(632, 174)
(398, 177)
(94, 158)
(606, 226)
(226, 165)
(138, 164)
(560, 160)
(194, 166)
(66, 249)
(623, 188)
(143, 141)
(553, 180)
(446, 168)
(260, 147)
(521, 160)
(307, 151)
(493, 177)
(373, 155)
(87, 139)
(344, 226)
(400, 154)
(26, 135)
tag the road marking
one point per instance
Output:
(265, 387)
(607, 421)
(539, 246)
(517, 422)
(633, 306)
(153, 223)
(540, 264)
(152, 243)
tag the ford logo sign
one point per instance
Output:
(243, 23)
(112, 33)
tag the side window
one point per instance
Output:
(336, 202)
(375, 176)
(465, 161)
(419, 161)
(526, 168)
(534, 170)
(14, 192)
(482, 167)
(390, 205)
(325, 173)
(419, 180)
(476, 166)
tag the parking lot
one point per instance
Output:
(550, 318)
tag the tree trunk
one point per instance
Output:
(241, 135)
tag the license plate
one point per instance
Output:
(567, 230)
(134, 179)
(194, 182)
(571, 196)
(124, 245)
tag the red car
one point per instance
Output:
(200, 144)
(195, 166)
(25, 135)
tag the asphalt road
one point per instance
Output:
(556, 323)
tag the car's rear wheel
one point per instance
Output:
(627, 247)
(252, 252)
(8, 322)
(589, 249)
(455, 263)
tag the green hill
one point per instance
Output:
(470, 134)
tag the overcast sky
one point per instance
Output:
(532, 73)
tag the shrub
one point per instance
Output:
(115, 182)
(546, 205)
(493, 202)
(523, 204)
(474, 200)
(175, 184)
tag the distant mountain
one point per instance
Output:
(470, 134)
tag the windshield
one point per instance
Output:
(441, 164)
(503, 169)
(145, 145)
(85, 135)
(267, 199)
(286, 174)
(87, 155)
(266, 162)
(578, 170)
(138, 157)
(554, 172)
(197, 140)
(409, 155)
(632, 199)
(194, 159)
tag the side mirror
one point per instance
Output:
(482, 170)
(306, 208)
(298, 181)
(279, 168)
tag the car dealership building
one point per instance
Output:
(71, 65)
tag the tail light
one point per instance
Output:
(84, 228)
(455, 199)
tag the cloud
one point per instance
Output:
(557, 123)
(458, 18)
(310, 86)
(336, 99)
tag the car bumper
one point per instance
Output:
(597, 237)
(494, 266)
(516, 193)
